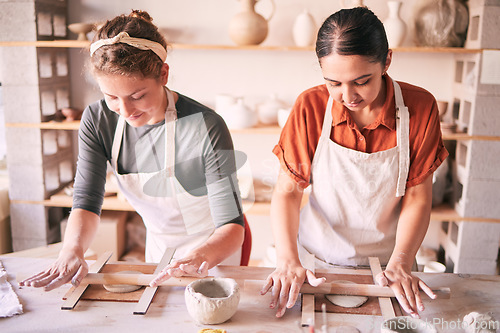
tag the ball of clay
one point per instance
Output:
(122, 288)
(213, 300)
(347, 301)
(407, 324)
(480, 323)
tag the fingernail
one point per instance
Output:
(272, 305)
(421, 308)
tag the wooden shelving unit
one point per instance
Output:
(182, 46)
(260, 129)
(56, 125)
(440, 213)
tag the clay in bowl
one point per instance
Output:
(213, 300)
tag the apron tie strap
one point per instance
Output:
(403, 142)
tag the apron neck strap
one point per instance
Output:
(327, 122)
(403, 139)
(170, 123)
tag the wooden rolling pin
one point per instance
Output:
(325, 288)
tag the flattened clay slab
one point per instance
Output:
(122, 288)
(347, 301)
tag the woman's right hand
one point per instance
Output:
(70, 266)
(285, 283)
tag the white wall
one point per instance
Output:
(201, 74)
(254, 74)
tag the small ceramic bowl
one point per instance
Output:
(213, 300)
(71, 114)
(81, 29)
(407, 324)
(434, 267)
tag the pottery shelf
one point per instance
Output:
(260, 129)
(181, 46)
(56, 125)
(443, 212)
(60, 199)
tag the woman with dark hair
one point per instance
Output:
(367, 145)
(173, 159)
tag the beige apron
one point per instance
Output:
(355, 199)
(173, 217)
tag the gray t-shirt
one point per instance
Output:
(204, 156)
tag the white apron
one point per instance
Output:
(355, 199)
(173, 217)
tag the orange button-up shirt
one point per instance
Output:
(299, 137)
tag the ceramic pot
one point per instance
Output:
(248, 27)
(283, 116)
(239, 116)
(351, 3)
(268, 111)
(71, 114)
(81, 29)
(441, 23)
(395, 27)
(304, 29)
(213, 300)
(223, 102)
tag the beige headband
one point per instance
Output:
(140, 43)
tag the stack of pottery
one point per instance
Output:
(268, 111)
(235, 113)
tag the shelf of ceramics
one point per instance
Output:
(113, 202)
(440, 213)
(180, 46)
(260, 129)
(57, 125)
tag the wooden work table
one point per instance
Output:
(168, 313)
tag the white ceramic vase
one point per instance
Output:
(395, 27)
(304, 29)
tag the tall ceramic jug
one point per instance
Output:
(248, 27)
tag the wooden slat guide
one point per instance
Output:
(385, 302)
(72, 300)
(142, 307)
(340, 288)
(308, 299)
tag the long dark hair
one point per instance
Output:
(355, 31)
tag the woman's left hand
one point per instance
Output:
(406, 288)
(182, 267)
